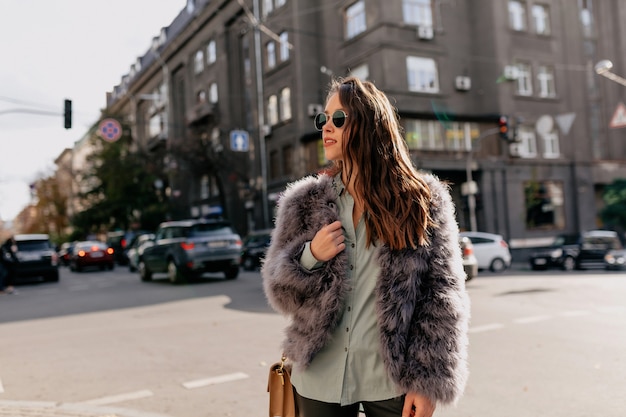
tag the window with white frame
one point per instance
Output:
(355, 21)
(418, 12)
(271, 54)
(284, 46)
(362, 72)
(280, 3)
(527, 142)
(422, 74)
(517, 15)
(423, 134)
(544, 203)
(586, 17)
(213, 95)
(285, 104)
(198, 66)
(201, 97)
(541, 19)
(272, 110)
(550, 144)
(211, 52)
(524, 79)
(459, 136)
(268, 7)
(545, 81)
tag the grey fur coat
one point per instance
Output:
(421, 302)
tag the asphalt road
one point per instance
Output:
(103, 343)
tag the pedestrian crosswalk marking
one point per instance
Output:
(215, 380)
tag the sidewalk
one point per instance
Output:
(10, 408)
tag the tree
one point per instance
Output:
(121, 191)
(614, 212)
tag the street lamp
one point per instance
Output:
(604, 68)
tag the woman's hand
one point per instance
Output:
(328, 242)
(417, 405)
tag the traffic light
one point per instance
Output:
(503, 126)
(67, 114)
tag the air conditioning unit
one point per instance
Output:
(462, 83)
(266, 130)
(425, 32)
(511, 72)
(313, 109)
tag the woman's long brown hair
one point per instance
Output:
(396, 198)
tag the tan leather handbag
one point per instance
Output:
(282, 402)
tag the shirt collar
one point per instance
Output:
(338, 185)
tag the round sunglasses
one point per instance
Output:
(338, 118)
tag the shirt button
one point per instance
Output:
(351, 267)
(347, 329)
(345, 349)
(353, 245)
(349, 308)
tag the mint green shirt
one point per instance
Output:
(350, 368)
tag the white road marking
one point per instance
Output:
(119, 398)
(215, 380)
(485, 328)
(574, 313)
(531, 319)
(612, 309)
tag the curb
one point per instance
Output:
(11, 408)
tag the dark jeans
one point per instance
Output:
(4, 277)
(313, 408)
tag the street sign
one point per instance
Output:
(239, 141)
(110, 130)
(619, 117)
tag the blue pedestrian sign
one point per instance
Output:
(239, 141)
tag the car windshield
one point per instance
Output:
(207, 229)
(32, 245)
(89, 245)
(565, 240)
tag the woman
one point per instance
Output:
(365, 261)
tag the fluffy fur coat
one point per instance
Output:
(421, 302)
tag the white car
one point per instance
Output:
(491, 250)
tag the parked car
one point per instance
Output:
(491, 250)
(92, 253)
(615, 260)
(188, 248)
(254, 248)
(65, 251)
(470, 263)
(578, 251)
(119, 241)
(34, 257)
(135, 249)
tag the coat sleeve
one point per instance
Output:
(425, 340)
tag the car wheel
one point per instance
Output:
(497, 265)
(569, 264)
(144, 272)
(232, 272)
(174, 273)
(53, 277)
(131, 268)
(248, 264)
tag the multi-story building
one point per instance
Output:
(228, 92)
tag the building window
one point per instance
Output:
(418, 12)
(272, 110)
(544, 205)
(355, 22)
(527, 142)
(284, 46)
(268, 7)
(213, 95)
(517, 15)
(541, 19)
(362, 72)
(314, 157)
(201, 97)
(545, 79)
(198, 66)
(422, 75)
(586, 17)
(460, 136)
(211, 53)
(204, 187)
(524, 80)
(271, 54)
(274, 165)
(423, 134)
(288, 160)
(285, 104)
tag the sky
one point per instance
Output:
(52, 50)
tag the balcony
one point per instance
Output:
(200, 112)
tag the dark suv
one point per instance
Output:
(577, 251)
(33, 256)
(254, 248)
(188, 248)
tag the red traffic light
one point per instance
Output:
(503, 126)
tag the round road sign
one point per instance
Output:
(110, 130)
